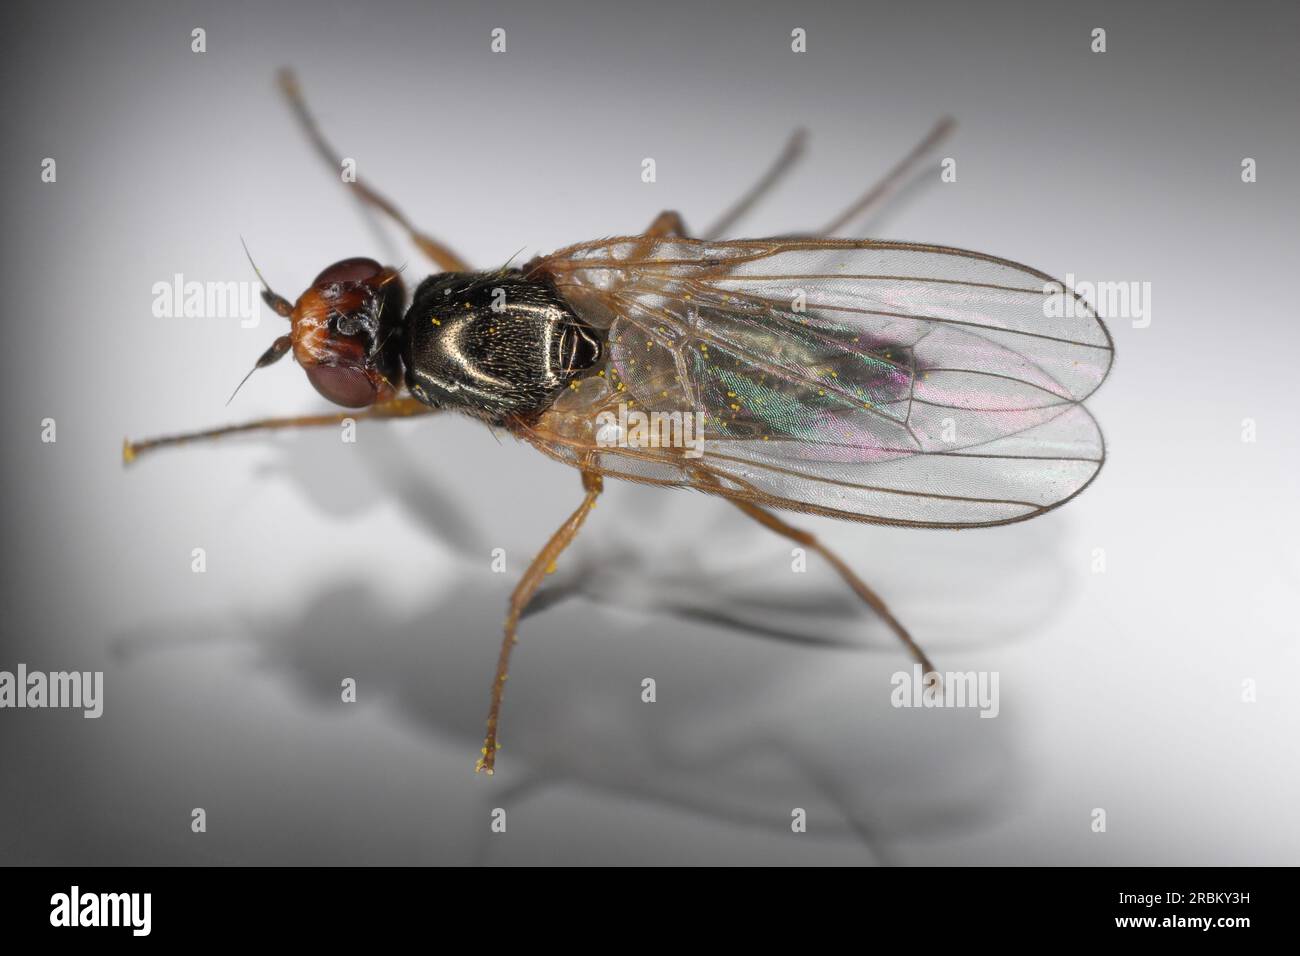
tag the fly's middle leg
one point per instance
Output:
(794, 149)
(669, 224)
(892, 181)
(542, 565)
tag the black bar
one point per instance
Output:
(238, 904)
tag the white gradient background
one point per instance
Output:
(326, 560)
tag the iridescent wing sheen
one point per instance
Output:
(878, 381)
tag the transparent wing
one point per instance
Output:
(888, 382)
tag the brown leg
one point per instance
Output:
(542, 565)
(893, 179)
(670, 224)
(793, 150)
(435, 250)
(394, 408)
(769, 520)
(667, 225)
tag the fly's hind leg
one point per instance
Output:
(441, 255)
(542, 565)
(873, 600)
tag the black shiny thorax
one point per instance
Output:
(493, 344)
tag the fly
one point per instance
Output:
(891, 383)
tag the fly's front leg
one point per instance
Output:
(441, 255)
(393, 408)
(542, 565)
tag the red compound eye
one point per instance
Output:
(342, 385)
(349, 270)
